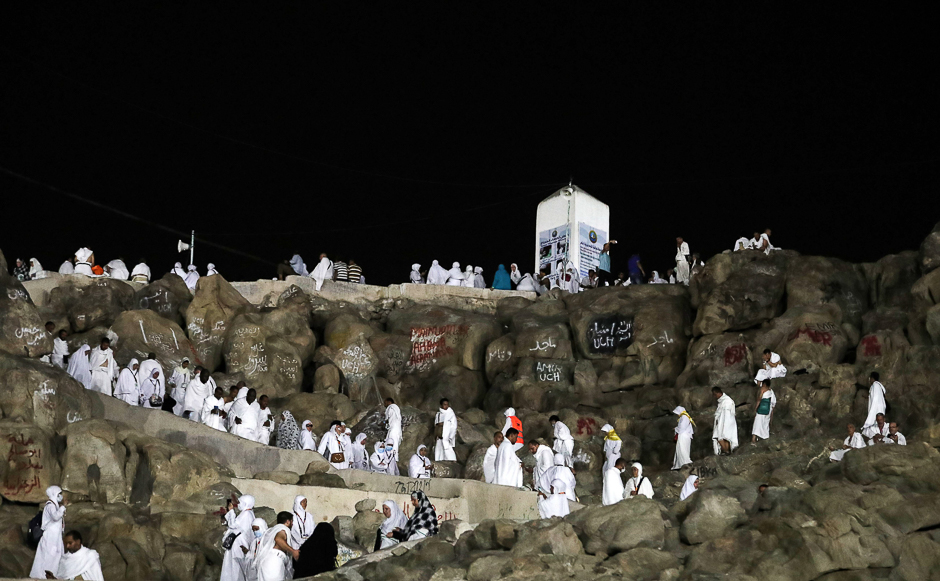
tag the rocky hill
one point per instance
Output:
(624, 356)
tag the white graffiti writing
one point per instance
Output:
(664, 339)
(33, 335)
(72, 417)
(548, 371)
(543, 345)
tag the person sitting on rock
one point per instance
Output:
(878, 432)
(671, 276)
(876, 402)
(763, 412)
(178, 270)
(423, 523)
(420, 465)
(468, 277)
(265, 421)
(273, 559)
(141, 272)
(590, 281)
(639, 485)
(127, 389)
(340, 270)
(725, 432)
(394, 519)
(894, 436)
(117, 270)
(213, 411)
(512, 422)
(689, 487)
(508, 465)
(455, 276)
(755, 240)
(21, 270)
(564, 442)
(332, 446)
(444, 447)
(772, 368)
(515, 275)
(853, 441)
(103, 367)
(764, 242)
(742, 243)
(322, 272)
(527, 283)
(613, 483)
(78, 561)
(489, 459)
(297, 265)
(478, 280)
(548, 487)
(67, 267)
(382, 460)
(656, 279)
(192, 277)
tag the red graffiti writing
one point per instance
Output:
(735, 354)
(431, 343)
(586, 425)
(824, 337)
(872, 346)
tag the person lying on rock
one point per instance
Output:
(853, 441)
(78, 562)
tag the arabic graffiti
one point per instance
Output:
(24, 458)
(872, 346)
(609, 334)
(824, 337)
(544, 345)
(428, 344)
(586, 426)
(735, 354)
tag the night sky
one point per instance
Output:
(402, 135)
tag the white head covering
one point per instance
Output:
(639, 469)
(689, 487)
(210, 269)
(679, 409)
(307, 440)
(259, 522)
(178, 270)
(297, 263)
(297, 508)
(118, 269)
(35, 268)
(191, 277)
(455, 272)
(246, 502)
(83, 254)
(513, 265)
(398, 520)
(478, 270)
(559, 459)
(53, 493)
(141, 269)
(322, 272)
(606, 428)
(509, 412)
(437, 274)
(416, 267)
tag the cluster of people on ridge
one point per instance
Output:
(326, 269)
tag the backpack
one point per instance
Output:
(35, 529)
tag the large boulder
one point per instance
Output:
(144, 331)
(723, 360)
(94, 462)
(911, 468)
(357, 364)
(27, 462)
(623, 526)
(930, 250)
(712, 516)
(92, 302)
(815, 280)
(806, 337)
(547, 537)
(891, 278)
(209, 316)
(647, 325)
(40, 394)
(22, 329)
(267, 350)
(169, 297)
(319, 408)
(737, 290)
(441, 336)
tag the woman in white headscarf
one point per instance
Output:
(84, 258)
(303, 524)
(210, 269)
(684, 432)
(360, 458)
(415, 276)
(515, 275)
(437, 274)
(192, 277)
(141, 273)
(468, 277)
(152, 389)
(178, 271)
(382, 459)
(118, 270)
(35, 270)
(79, 367)
(67, 268)
(240, 526)
(258, 528)
(323, 272)
(638, 485)
(127, 388)
(478, 281)
(50, 548)
(308, 440)
(420, 465)
(455, 275)
(657, 279)
(690, 486)
(612, 443)
(394, 519)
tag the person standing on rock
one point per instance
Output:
(192, 277)
(237, 527)
(613, 483)
(303, 524)
(763, 412)
(127, 389)
(308, 440)
(501, 280)
(332, 447)
(79, 366)
(393, 424)
(639, 485)
(415, 276)
(489, 459)
(78, 562)
(478, 280)
(437, 274)
(50, 549)
(274, 559)
(445, 428)
(564, 443)
(265, 421)
(876, 401)
(544, 461)
(508, 465)
(60, 349)
(612, 443)
(199, 389)
(322, 272)
(245, 411)
(682, 261)
(102, 366)
(773, 367)
(635, 269)
(604, 274)
(455, 275)
(145, 373)
(852, 442)
(360, 458)
(151, 390)
(178, 383)
(213, 414)
(178, 271)
(288, 436)
(513, 423)
(684, 432)
(725, 432)
(383, 460)
(420, 465)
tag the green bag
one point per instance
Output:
(764, 407)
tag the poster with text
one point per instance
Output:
(591, 241)
(553, 244)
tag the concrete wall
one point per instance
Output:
(265, 292)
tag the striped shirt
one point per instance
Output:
(355, 273)
(340, 271)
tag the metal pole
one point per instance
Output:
(192, 244)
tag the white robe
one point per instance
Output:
(415, 276)
(360, 458)
(726, 427)
(192, 277)
(876, 403)
(684, 431)
(515, 275)
(323, 272)
(393, 417)
(469, 278)
(742, 244)
(564, 443)
(508, 466)
(611, 452)
(682, 263)
(196, 395)
(873, 431)
(60, 350)
(180, 381)
(263, 433)
(308, 441)
(771, 372)
(271, 563)
(556, 504)
(527, 283)
(78, 366)
(248, 414)
(148, 388)
(231, 562)
(118, 270)
(769, 245)
(141, 273)
(303, 524)
(383, 462)
(478, 281)
(688, 487)
(103, 370)
(50, 548)
(297, 263)
(437, 274)
(67, 268)
(489, 465)
(126, 389)
(84, 562)
(613, 487)
(761, 427)
(214, 421)
(456, 276)
(902, 441)
(419, 466)
(544, 461)
(444, 448)
(641, 485)
(145, 372)
(855, 441)
(332, 444)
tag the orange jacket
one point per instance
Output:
(517, 425)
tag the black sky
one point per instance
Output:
(402, 134)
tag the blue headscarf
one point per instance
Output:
(501, 279)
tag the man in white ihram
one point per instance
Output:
(78, 562)
(393, 420)
(102, 366)
(725, 434)
(613, 483)
(876, 404)
(444, 449)
(273, 558)
(682, 262)
(489, 459)
(508, 465)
